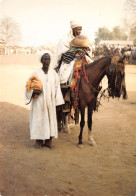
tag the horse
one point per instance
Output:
(127, 53)
(98, 53)
(89, 89)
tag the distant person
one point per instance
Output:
(134, 52)
(128, 47)
(44, 93)
(119, 48)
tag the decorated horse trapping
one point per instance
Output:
(79, 70)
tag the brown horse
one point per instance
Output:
(89, 89)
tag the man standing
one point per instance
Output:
(44, 93)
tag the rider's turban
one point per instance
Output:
(75, 24)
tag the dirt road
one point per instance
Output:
(109, 169)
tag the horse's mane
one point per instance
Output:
(96, 61)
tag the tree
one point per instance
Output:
(130, 6)
(133, 34)
(103, 34)
(118, 34)
(10, 31)
(130, 21)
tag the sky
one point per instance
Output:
(46, 21)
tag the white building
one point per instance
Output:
(121, 43)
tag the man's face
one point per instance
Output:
(46, 60)
(77, 31)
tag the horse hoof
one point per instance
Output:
(80, 146)
(92, 142)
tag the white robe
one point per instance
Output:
(63, 46)
(43, 120)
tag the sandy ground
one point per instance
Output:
(109, 169)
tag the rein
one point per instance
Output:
(87, 80)
(84, 72)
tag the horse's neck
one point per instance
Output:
(98, 71)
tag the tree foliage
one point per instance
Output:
(133, 34)
(118, 34)
(105, 34)
(130, 20)
(9, 31)
(130, 6)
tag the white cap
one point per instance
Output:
(44, 52)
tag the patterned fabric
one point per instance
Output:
(70, 55)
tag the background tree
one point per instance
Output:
(105, 34)
(118, 33)
(130, 21)
(10, 31)
(133, 34)
(130, 6)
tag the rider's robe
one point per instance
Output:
(63, 46)
(43, 120)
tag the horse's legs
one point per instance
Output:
(82, 123)
(90, 138)
(124, 88)
(59, 117)
(66, 122)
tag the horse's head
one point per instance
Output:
(116, 77)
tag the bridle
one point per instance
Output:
(84, 62)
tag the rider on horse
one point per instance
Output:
(68, 53)
(71, 67)
(65, 55)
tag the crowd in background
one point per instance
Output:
(106, 49)
(97, 50)
(8, 50)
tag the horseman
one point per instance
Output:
(64, 43)
(71, 67)
(64, 50)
